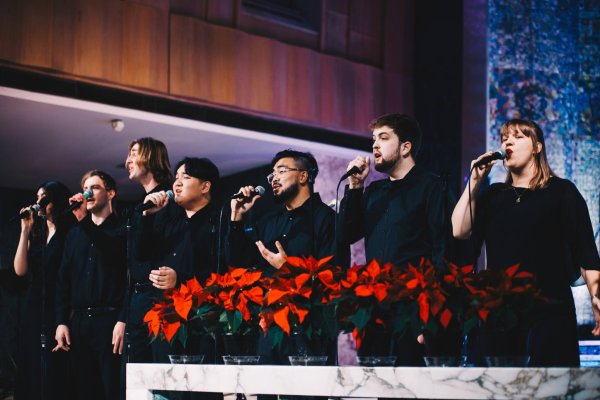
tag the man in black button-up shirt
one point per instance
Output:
(402, 218)
(180, 243)
(302, 226)
(91, 291)
(148, 164)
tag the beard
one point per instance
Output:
(286, 194)
(386, 165)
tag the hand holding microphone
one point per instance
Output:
(357, 172)
(155, 202)
(78, 204)
(243, 200)
(481, 167)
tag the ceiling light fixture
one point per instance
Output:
(117, 124)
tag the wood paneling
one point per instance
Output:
(365, 37)
(203, 57)
(221, 12)
(145, 50)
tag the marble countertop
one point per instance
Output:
(403, 382)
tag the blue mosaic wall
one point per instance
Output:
(544, 65)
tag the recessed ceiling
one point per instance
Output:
(47, 137)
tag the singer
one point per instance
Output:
(180, 244)
(147, 164)
(38, 258)
(402, 217)
(91, 286)
(302, 226)
(542, 222)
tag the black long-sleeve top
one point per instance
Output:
(93, 269)
(140, 264)
(188, 245)
(308, 230)
(401, 220)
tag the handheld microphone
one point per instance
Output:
(497, 155)
(27, 212)
(259, 190)
(88, 194)
(148, 205)
(33, 209)
(351, 171)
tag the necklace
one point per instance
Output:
(519, 194)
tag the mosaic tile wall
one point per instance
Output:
(544, 65)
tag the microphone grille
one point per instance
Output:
(170, 194)
(35, 208)
(502, 153)
(88, 194)
(260, 190)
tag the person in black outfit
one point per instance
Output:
(147, 164)
(302, 226)
(540, 221)
(90, 293)
(37, 259)
(180, 244)
(402, 217)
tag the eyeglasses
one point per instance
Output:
(281, 171)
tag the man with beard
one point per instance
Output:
(90, 292)
(302, 226)
(148, 164)
(402, 218)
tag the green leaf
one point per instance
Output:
(234, 319)
(275, 337)
(469, 324)
(361, 318)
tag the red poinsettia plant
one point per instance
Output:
(169, 317)
(228, 303)
(299, 301)
(503, 298)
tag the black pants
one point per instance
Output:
(138, 346)
(95, 369)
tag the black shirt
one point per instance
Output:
(401, 220)
(548, 232)
(93, 268)
(188, 245)
(140, 265)
(305, 231)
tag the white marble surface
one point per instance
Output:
(433, 383)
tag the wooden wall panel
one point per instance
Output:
(145, 52)
(202, 60)
(334, 28)
(365, 37)
(200, 57)
(221, 12)
(97, 36)
(191, 8)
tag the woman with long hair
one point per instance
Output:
(542, 222)
(37, 260)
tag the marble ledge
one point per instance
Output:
(404, 382)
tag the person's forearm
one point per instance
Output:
(21, 256)
(591, 277)
(461, 216)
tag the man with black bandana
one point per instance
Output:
(402, 218)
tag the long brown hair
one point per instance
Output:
(543, 172)
(154, 157)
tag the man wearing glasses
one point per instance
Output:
(302, 226)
